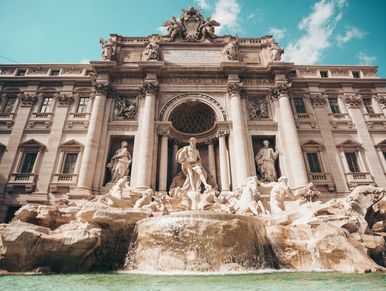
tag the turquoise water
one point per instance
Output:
(268, 281)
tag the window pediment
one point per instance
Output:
(349, 145)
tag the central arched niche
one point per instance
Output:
(193, 117)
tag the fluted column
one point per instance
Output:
(291, 141)
(163, 167)
(240, 133)
(87, 168)
(211, 159)
(174, 161)
(224, 161)
(146, 144)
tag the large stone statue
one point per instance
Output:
(280, 192)
(265, 160)
(191, 166)
(230, 50)
(120, 163)
(108, 49)
(276, 53)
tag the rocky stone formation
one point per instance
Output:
(201, 241)
(233, 232)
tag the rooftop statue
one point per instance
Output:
(276, 52)
(230, 51)
(191, 26)
(108, 49)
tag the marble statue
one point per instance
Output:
(173, 27)
(190, 161)
(208, 27)
(249, 201)
(125, 108)
(280, 192)
(265, 160)
(108, 50)
(276, 53)
(152, 52)
(120, 163)
(230, 50)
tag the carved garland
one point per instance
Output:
(200, 95)
(26, 99)
(318, 100)
(280, 89)
(352, 100)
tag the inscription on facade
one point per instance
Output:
(192, 56)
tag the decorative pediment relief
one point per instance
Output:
(349, 145)
(312, 145)
(32, 144)
(125, 108)
(71, 145)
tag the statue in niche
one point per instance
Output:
(191, 166)
(258, 108)
(265, 160)
(276, 53)
(108, 50)
(120, 163)
(152, 51)
(230, 50)
(125, 108)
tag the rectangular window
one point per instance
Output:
(299, 105)
(352, 162)
(334, 106)
(55, 72)
(9, 105)
(82, 105)
(367, 102)
(28, 162)
(314, 163)
(69, 163)
(324, 74)
(46, 105)
(21, 72)
(356, 75)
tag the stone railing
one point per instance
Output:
(340, 118)
(27, 180)
(41, 116)
(76, 118)
(304, 118)
(375, 118)
(7, 119)
(360, 176)
(40, 119)
(65, 178)
(323, 177)
(63, 181)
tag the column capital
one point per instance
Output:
(222, 132)
(163, 132)
(102, 88)
(26, 99)
(280, 89)
(381, 100)
(149, 87)
(64, 99)
(234, 88)
(352, 100)
(317, 99)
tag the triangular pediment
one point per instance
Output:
(71, 144)
(349, 144)
(32, 143)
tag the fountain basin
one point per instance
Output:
(200, 241)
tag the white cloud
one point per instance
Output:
(163, 30)
(278, 33)
(350, 33)
(85, 61)
(203, 4)
(226, 12)
(365, 59)
(319, 27)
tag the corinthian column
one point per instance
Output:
(240, 133)
(87, 168)
(146, 144)
(211, 159)
(296, 167)
(163, 167)
(224, 161)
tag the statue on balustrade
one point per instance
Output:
(189, 158)
(265, 160)
(108, 49)
(276, 53)
(230, 50)
(120, 163)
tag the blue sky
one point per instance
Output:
(317, 31)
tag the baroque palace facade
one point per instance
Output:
(60, 125)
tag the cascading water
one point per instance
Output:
(200, 241)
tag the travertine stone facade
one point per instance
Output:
(61, 124)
